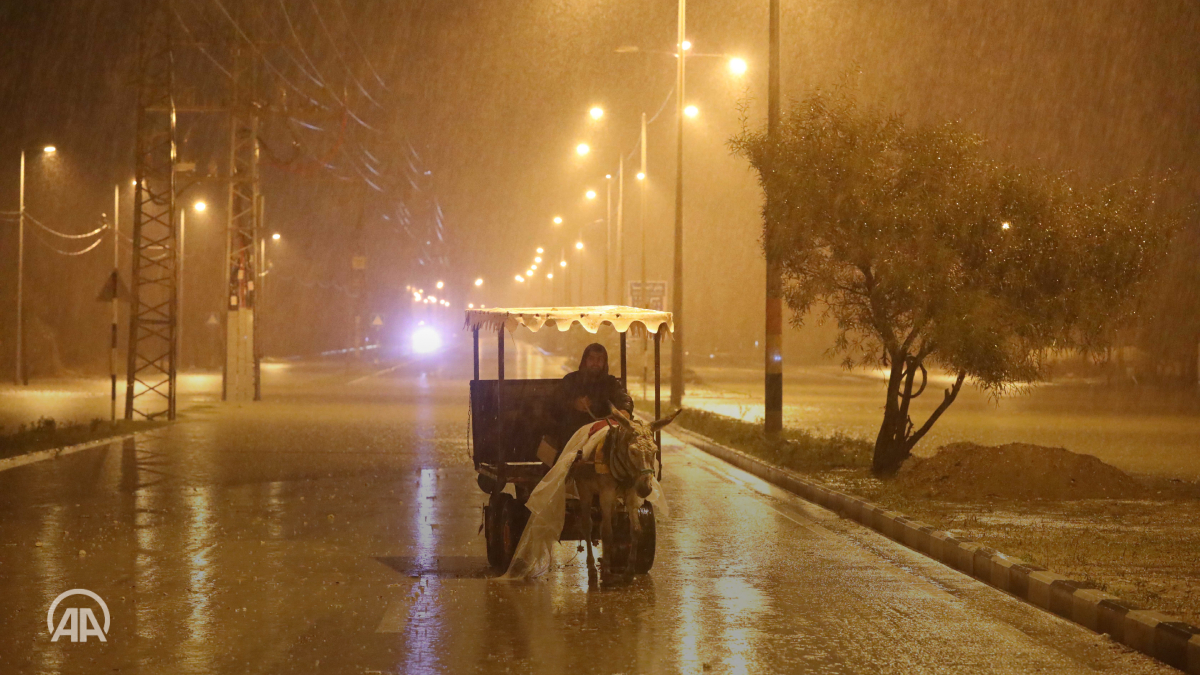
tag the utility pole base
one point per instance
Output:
(240, 373)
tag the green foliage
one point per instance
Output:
(795, 450)
(927, 251)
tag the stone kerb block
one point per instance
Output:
(1171, 641)
(1040, 588)
(1193, 655)
(1085, 607)
(1140, 627)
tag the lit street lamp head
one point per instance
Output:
(597, 112)
(479, 281)
(579, 246)
(641, 176)
(550, 275)
(200, 206)
(562, 263)
(687, 44)
(737, 66)
(441, 285)
(591, 194)
(520, 278)
(691, 111)
(558, 220)
(537, 259)
(275, 236)
(49, 150)
(582, 149)
(540, 251)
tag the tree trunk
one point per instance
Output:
(890, 447)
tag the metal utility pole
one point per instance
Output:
(677, 293)
(241, 375)
(179, 302)
(621, 228)
(642, 204)
(642, 177)
(773, 394)
(20, 275)
(116, 285)
(607, 239)
(153, 315)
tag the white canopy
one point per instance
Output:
(591, 318)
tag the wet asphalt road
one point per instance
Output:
(334, 529)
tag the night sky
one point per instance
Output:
(467, 114)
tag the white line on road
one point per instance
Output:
(385, 371)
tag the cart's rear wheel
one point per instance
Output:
(492, 517)
(646, 540)
(512, 525)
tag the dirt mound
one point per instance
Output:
(970, 472)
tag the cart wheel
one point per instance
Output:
(646, 541)
(494, 516)
(511, 524)
(617, 559)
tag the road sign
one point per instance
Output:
(377, 321)
(113, 286)
(654, 296)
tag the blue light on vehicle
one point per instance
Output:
(425, 340)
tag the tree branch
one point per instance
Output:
(951, 394)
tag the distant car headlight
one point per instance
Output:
(425, 340)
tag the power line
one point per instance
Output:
(64, 235)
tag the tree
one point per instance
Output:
(928, 252)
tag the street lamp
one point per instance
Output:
(641, 176)
(275, 236)
(558, 220)
(596, 112)
(540, 250)
(479, 282)
(441, 285)
(579, 246)
(691, 111)
(47, 150)
(582, 149)
(737, 66)
(199, 206)
(590, 194)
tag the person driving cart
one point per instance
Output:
(590, 393)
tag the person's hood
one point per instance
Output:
(594, 347)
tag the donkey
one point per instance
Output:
(630, 463)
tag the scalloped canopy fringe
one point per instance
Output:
(622, 318)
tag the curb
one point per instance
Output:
(54, 453)
(1160, 636)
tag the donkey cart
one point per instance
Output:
(510, 418)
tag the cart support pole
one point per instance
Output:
(624, 382)
(658, 397)
(475, 337)
(501, 471)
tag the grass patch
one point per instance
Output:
(46, 434)
(794, 449)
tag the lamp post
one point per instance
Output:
(773, 357)
(677, 344)
(20, 341)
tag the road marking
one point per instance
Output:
(385, 371)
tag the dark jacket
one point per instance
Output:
(602, 389)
